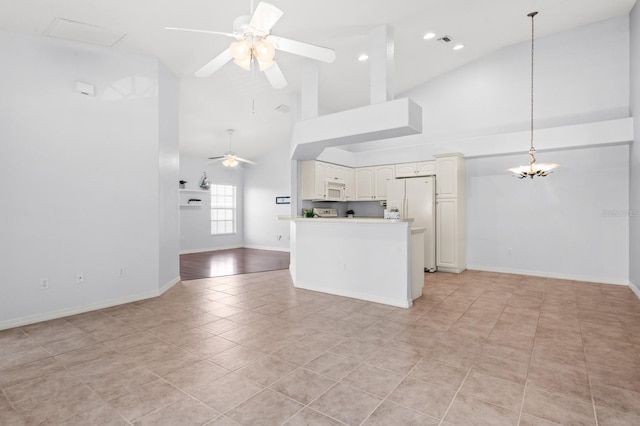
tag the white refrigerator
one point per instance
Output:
(415, 199)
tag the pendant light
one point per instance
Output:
(533, 169)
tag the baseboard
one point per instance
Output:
(258, 247)
(202, 250)
(547, 275)
(361, 296)
(450, 270)
(635, 289)
(32, 319)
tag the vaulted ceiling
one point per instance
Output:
(244, 100)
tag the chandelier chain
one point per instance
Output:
(532, 45)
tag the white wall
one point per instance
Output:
(582, 76)
(263, 182)
(169, 163)
(572, 224)
(195, 222)
(79, 178)
(634, 193)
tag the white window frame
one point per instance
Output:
(224, 204)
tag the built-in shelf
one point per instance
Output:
(200, 191)
(184, 198)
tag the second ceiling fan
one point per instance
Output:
(230, 158)
(255, 43)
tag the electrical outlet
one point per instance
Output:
(79, 278)
(509, 251)
(122, 271)
(44, 283)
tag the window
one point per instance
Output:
(223, 209)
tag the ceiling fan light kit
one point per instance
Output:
(533, 169)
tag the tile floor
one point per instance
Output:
(477, 349)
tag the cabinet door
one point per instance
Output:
(329, 171)
(320, 179)
(405, 170)
(364, 183)
(349, 184)
(383, 174)
(338, 173)
(446, 233)
(447, 178)
(426, 168)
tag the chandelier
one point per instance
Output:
(533, 169)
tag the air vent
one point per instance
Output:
(283, 108)
(86, 33)
(445, 39)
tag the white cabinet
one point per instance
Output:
(312, 180)
(446, 233)
(450, 214)
(316, 174)
(349, 184)
(334, 172)
(364, 183)
(450, 172)
(422, 168)
(371, 182)
(383, 174)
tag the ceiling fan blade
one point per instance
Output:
(199, 31)
(215, 64)
(264, 18)
(275, 76)
(244, 160)
(307, 50)
(216, 158)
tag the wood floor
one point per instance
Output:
(220, 263)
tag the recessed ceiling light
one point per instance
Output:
(458, 47)
(363, 57)
(429, 36)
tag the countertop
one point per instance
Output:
(344, 219)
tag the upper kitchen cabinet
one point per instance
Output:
(313, 180)
(371, 182)
(365, 183)
(422, 168)
(383, 174)
(326, 181)
(451, 175)
(349, 184)
(334, 172)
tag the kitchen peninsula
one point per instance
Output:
(378, 260)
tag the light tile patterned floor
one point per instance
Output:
(477, 349)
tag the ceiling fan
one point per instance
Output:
(255, 44)
(230, 159)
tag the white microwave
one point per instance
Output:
(334, 191)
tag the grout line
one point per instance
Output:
(586, 363)
(533, 346)
(455, 396)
